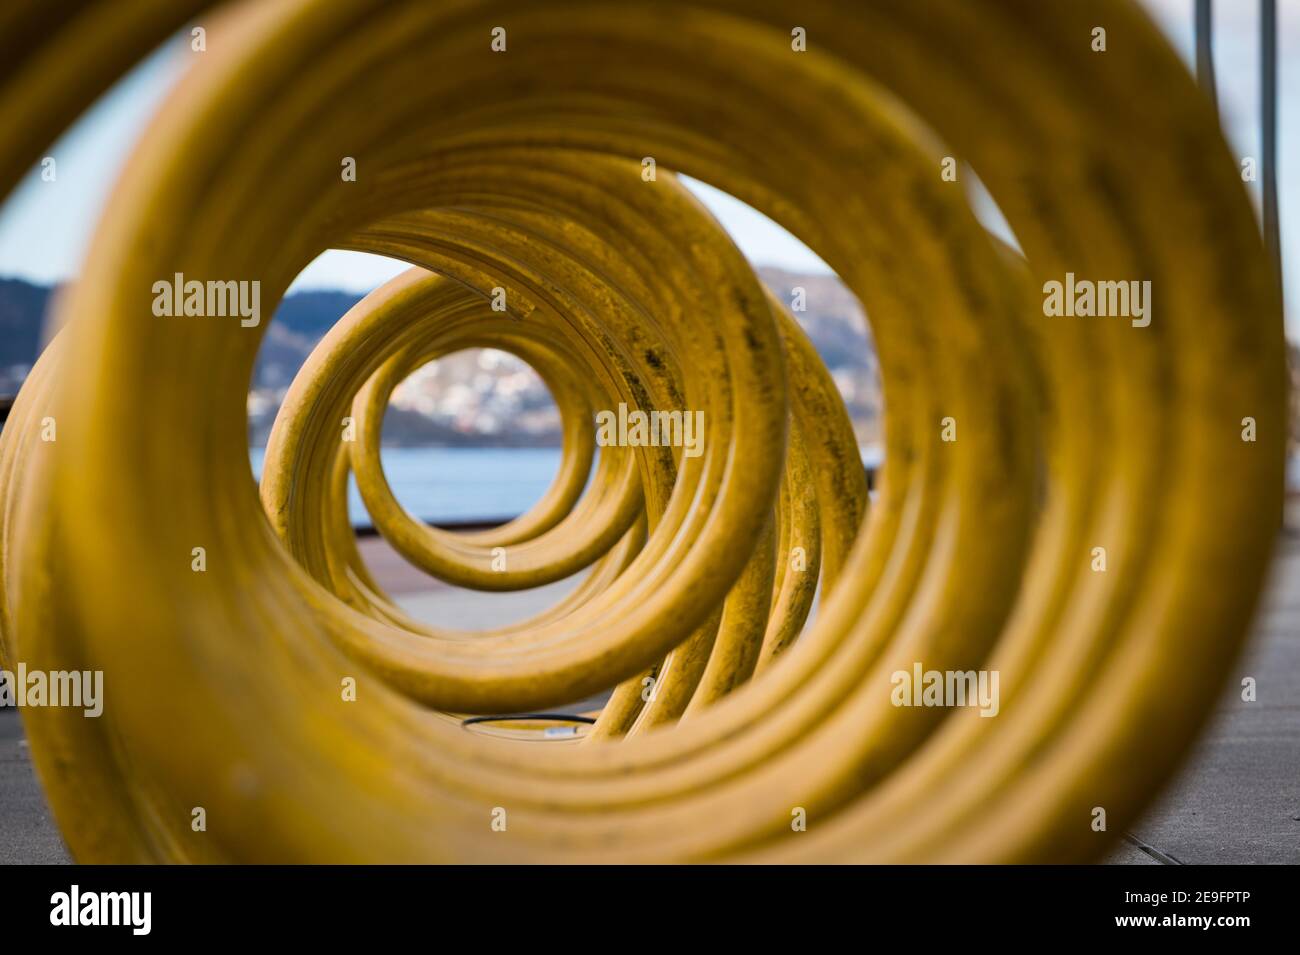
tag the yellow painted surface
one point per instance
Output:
(522, 170)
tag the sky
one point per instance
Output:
(45, 227)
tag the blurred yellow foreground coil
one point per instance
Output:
(505, 149)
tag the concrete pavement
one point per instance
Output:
(1237, 801)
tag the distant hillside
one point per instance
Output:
(838, 329)
(485, 400)
(468, 400)
(299, 323)
(22, 306)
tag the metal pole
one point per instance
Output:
(1268, 133)
(1205, 50)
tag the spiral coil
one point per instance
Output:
(520, 169)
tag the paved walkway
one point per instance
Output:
(1238, 800)
(27, 833)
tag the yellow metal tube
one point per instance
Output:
(1016, 442)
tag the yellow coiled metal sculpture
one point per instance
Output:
(521, 169)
